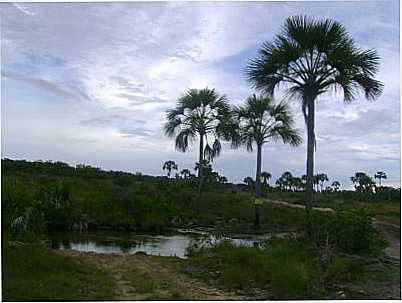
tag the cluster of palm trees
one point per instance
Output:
(364, 183)
(308, 59)
(287, 182)
(186, 175)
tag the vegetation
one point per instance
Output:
(32, 272)
(203, 113)
(261, 121)
(380, 175)
(311, 58)
(169, 166)
(289, 268)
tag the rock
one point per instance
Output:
(341, 294)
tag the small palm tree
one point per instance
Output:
(297, 183)
(322, 178)
(310, 58)
(249, 181)
(380, 175)
(260, 121)
(204, 114)
(336, 185)
(287, 178)
(265, 177)
(280, 182)
(223, 179)
(363, 182)
(169, 166)
(185, 173)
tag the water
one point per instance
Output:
(172, 244)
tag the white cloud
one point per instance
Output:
(118, 63)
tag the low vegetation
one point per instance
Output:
(32, 272)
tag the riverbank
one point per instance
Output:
(35, 272)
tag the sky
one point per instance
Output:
(90, 83)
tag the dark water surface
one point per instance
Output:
(170, 244)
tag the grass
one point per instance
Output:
(285, 268)
(34, 273)
(141, 282)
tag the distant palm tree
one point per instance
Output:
(280, 182)
(322, 178)
(310, 58)
(265, 177)
(336, 185)
(204, 114)
(249, 181)
(363, 182)
(287, 178)
(185, 173)
(380, 175)
(260, 121)
(297, 183)
(223, 179)
(169, 166)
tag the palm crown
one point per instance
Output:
(312, 57)
(203, 113)
(199, 112)
(261, 120)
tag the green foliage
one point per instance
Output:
(141, 282)
(350, 231)
(285, 267)
(343, 269)
(33, 273)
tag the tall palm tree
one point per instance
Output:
(265, 177)
(380, 175)
(260, 121)
(204, 114)
(310, 58)
(169, 166)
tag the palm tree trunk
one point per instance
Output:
(258, 185)
(310, 165)
(258, 172)
(200, 173)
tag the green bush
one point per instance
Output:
(342, 269)
(286, 267)
(350, 231)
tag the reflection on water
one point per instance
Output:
(125, 242)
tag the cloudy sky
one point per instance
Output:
(90, 82)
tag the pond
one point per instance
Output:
(169, 244)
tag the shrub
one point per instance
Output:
(350, 231)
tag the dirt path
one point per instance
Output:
(294, 205)
(141, 277)
(392, 234)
